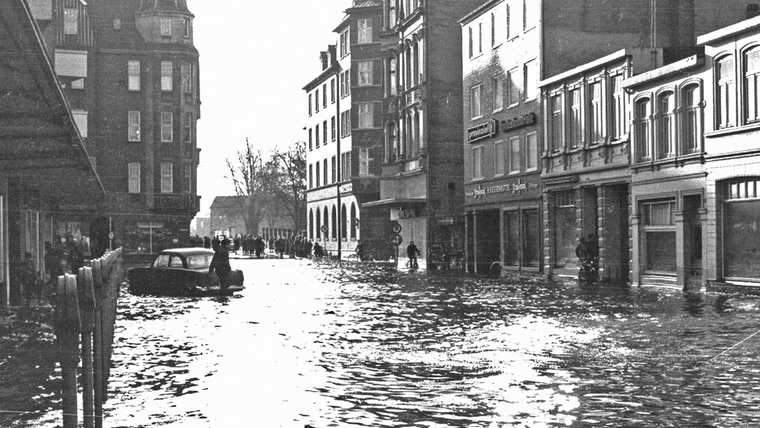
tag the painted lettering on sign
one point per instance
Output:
(518, 122)
(484, 130)
(513, 188)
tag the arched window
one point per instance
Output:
(415, 66)
(752, 85)
(692, 119)
(725, 105)
(354, 222)
(343, 222)
(311, 224)
(641, 128)
(391, 138)
(334, 223)
(326, 222)
(664, 124)
(416, 132)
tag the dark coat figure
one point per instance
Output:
(259, 246)
(236, 244)
(215, 242)
(412, 252)
(206, 242)
(220, 264)
(32, 287)
(318, 252)
(53, 263)
(75, 257)
(307, 246)
(360, 250)
(279, 247)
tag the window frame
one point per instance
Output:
(167, 126)
(167, 177)
(725, 92)
(134, 127)
(134, 178)
(365, 72)
(364, 32)
(476, 101)
(476, 162)
(515, 156)
(133, 76)
(167, 76)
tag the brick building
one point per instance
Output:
(130, 71)
(345, 133)
(421, 183)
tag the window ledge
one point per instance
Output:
(733, 130)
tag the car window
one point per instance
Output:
(162, 261)
(199, 261)
(176, 262)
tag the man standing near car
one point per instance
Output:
(221, 264)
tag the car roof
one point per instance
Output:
(187, 251)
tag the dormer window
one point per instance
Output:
(166, 27)
(188, 27)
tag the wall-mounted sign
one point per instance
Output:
(518, 122)
(188, 202)
(484, 130)
(517, 187)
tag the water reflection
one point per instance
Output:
(335, 346)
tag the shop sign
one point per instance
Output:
(484, 130)
(399, 213)
(188, 202)
(517, 187)
(518, 122)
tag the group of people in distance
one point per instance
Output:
(65, 256)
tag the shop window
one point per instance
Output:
(564, 229)
(659, 236)
(511, 238)
(741, 229)
(531, 239)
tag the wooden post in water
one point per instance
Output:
(97, 342)
(87, 309)
(67, 328)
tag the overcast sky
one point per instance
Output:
(255, 56)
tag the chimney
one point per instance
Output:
(753, 10)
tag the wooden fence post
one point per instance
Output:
(97, 341)
(67, 327)
(87, 310)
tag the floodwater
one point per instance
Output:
(325, 346)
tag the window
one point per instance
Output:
(530, 81)
(316, 101)
(133, 69)
(366, 118)
(391, 13)
(334, 223)
(354, 221)
(70, 21)
(309, 106)
(133, 121)
(186, 72)
(596, 116)
(311, 176)
(167, 126)
(365, 31)
(664, 125)
(345, 123)
(324, 95)
(77, 84)
(167, 76)
(641, 127)
(557, 142)
(509, 23)
(344, 43)
(134, 177)
(752, 85)
(498, 93)
(692, 119)
(659, 245)
(480, 38)
(392, 77)
(477, 163)
(529, 14)
(334, 170)
(188, 27)
(316, 136)
(318, 175)
(333, 128)
(188, 135)
(167, 177)
(324, 172)
(575, 120)
(311, 135)
(470, 41)
(364, 161)
(531, 152)
(188, 177)
(619, 126)
(166, 27)
(345, 166)
(117, 24)
(741, 234)
(475, 102)
(494, 30)
(726, 102)
(514, 155)
(498, 158)
(365, 73)
(332, 91)
(513, 87)
(324, 132)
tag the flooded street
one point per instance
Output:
(331, 347)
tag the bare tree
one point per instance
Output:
(289, 182)
(251, 180)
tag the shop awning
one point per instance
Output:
(40, 143)
(395, 201)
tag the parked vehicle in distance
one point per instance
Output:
(181, 271)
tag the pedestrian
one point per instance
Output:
(206, 242)
(220, 264)
(74, 257)
(412, 252)
(318, 253)
(359, 250)
(29, 280)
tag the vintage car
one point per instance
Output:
(181, 271)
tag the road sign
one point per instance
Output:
(396, 239)
(324, 228)
(396, 228)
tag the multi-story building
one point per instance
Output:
(47, 182)
(345, 134)
(130, 70)
(695, 166)
(509, 46)
(226, 218)
(421, 185)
